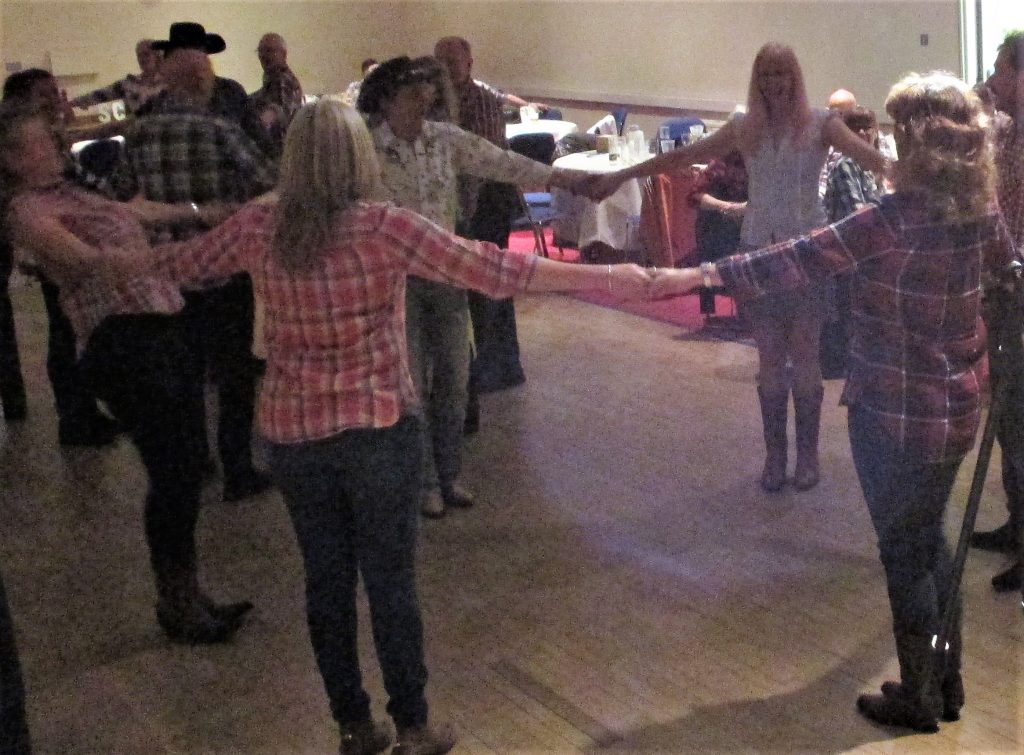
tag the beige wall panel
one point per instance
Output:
(686, 53)
(326, 39)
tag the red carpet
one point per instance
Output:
(683, 311)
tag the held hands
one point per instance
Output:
(635, 283)
(666, 282)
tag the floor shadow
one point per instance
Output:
(783, 723)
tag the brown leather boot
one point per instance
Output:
(774, 411)
(807, 408)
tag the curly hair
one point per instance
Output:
(944, 145)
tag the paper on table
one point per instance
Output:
(605, 126)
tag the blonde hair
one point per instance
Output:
(944, 143)
(328, 164)
(759, 121)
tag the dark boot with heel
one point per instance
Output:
(189, 617)
(774, 414)
(916, 701)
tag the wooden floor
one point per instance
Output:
(623, 586)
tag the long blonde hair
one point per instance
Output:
(944, 145)
(329, 163)
(759, 122)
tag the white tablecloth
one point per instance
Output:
(614, 221)
(557, 129)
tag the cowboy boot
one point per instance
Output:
(916, 702)
(182, 611)
(808, 419)
(948, 669)
(774, 410)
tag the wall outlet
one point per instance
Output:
(924, 40)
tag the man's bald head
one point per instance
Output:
(842, 100)
(272, 51)
(455, 54)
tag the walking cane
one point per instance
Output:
(1002, 373)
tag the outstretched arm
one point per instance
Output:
(718, 144)
(65, 256)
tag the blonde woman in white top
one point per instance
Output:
(784, 144)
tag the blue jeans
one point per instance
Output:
(354, 502)
(907, 499)
(437, 332)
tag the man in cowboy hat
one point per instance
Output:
(190, 150)
(186, 52)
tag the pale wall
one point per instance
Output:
(683, 53)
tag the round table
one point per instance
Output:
(557, 129)
(594, 226)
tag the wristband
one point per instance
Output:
(705, 274)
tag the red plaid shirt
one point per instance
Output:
(917, 344)
(99, 222)
(336, 351)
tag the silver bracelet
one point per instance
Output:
(609, 278)
(195, 208)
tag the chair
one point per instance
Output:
(538, 211)
(551, 114)
(679, 128)
(620, 120)
(667, 221)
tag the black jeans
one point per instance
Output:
(218, 333)
(14, 739)
(138, 364)
(907, 501)
(76, 402)
(496, 364)
(354, 502)
(12, 386)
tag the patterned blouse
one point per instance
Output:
(422, 175)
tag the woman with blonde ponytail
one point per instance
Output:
(916, 356)
(784, 143)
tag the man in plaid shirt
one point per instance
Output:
(185, 154)
(1007, 88)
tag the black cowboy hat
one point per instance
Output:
(187, 35)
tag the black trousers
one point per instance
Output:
(12, 386)
(139, 366)
(14, 739)
(496, 364)
(218, 333)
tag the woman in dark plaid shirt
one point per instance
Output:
(916, 358)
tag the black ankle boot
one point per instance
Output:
(195, 626)
(916, 701)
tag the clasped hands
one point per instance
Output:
(635, 283)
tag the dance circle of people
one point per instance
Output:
(345, 228)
